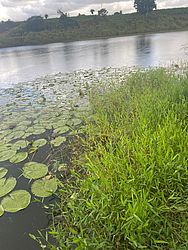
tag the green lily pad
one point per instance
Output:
(7, 185)
(39, 143)
(61, 130)
(19, 157)
(75, 122)
(20, 128)
(15, 135)
(5, 147)
(16, 201)
(25, 123)
(1, 211)
(30, 130)
(59, 123)
(20, 144)
(58, 141)
(3, 172)
(39, 131)
(44, 188)
(34, 170)
(4, 133)
(7, 155)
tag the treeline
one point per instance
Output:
(43, 30)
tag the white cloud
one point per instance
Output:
(22, 9)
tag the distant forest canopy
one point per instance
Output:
(99, 24)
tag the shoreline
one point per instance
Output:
(50, 112)
(96, 38)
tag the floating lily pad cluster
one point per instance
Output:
(38, 116)
(12, 201)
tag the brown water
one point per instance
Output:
(25, 63)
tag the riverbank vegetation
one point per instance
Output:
(39, 30)
(128, 187)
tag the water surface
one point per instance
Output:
(19, 64)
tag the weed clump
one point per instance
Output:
(134, 192)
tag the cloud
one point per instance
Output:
(22, 9)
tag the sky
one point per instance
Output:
(22, 9)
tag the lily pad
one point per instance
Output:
(58, 141)
(20, 144)
(34, 170)
(7, 155)
(16, 201)
(5, 147)
(15, 135)
(19, 157)
(44, 188)
(39, 143)
(7, 185)
(61, 130)
(3, 172)
(75, 122)
(39, 131)
(1, 211)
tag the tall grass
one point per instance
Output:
(134, 190)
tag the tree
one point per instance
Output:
(92, 11)
(145, 6)
(34, 24)
(46, 16)
(102, 12)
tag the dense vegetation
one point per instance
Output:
(132, 190)
(37, 30)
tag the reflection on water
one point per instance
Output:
(144, 50)
(28, 62)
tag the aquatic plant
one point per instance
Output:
(16, 201)
(129, 186)
(34, 170)
(44, 188)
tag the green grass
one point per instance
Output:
(132, 188)
(94, 27)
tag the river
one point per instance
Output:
(20, 64)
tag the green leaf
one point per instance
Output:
(58, 141)
(3, 172)
(5, 147)
(44, 188)
(19, 157)
(74, 122)
(34, 170)
(39, 143)
(61, 130)
(7, 154)
(1, 211)
(16, 201)
(39, 131)
(20, 144)
(15, 135)
(160, 242)
(7, 185)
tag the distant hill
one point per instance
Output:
(37, 30)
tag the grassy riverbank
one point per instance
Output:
(41, 31)
(131, 191)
